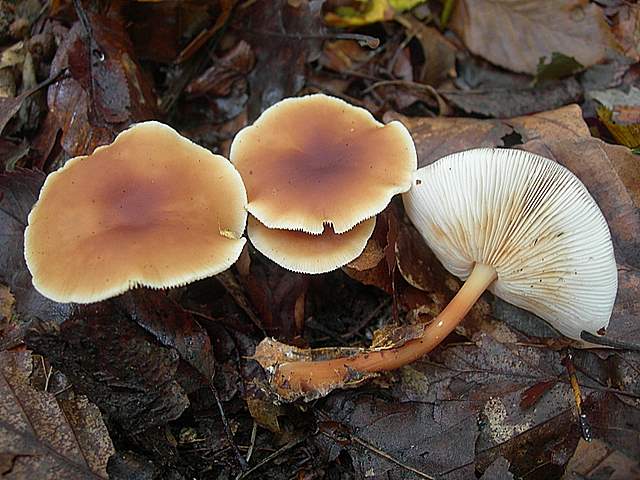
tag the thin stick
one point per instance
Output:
(276, 454)
(227, 428)
(577, 395)
(380, 453)
(609, 342)
(252, 444)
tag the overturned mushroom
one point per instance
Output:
(151, 209)
(322, 166)
(516, 223)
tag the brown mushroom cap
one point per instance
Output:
(307, 253)
(150, 209)
(317, 160)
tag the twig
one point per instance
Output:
(380, 453)
(609, 342)
(363, 40)
(577, 395)
(447, 9)
(47, 376)
(82, 16)
(277, 453)
(252, 444)
(227, 428)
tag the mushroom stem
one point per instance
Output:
(302, 376)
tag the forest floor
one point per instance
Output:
(161, 384)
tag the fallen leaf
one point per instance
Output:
(270, 28)
(18, 192)
(42, 438)
(437, 137)
(115, 363)
(439, 53)
(625, 134)
(274, 293)
(626, 29)
(556, 67)
(107, 90)
(595, 460)
(173, 327)
(156, 32)
(511, 102)
(516, 34)
(457, 412)
(343, 55)
(231, 67)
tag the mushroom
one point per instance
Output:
(319, 165)
(519, 224)
(152, 208)
(306, 253)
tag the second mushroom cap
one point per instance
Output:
(316, 160)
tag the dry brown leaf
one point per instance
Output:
(41, 438)
(515, 34)
(596, 459)
(627, 30)
(6, 304)
(437, 137)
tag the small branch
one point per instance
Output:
(227, 428)
(252, 444)
(377, 451)
(609, 342)
(274, 455)
(577, 395)
(363, 40)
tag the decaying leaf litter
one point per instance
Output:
(171, 372)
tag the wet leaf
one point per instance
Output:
(107, 91)
(173, 327)
(593, 460)
(557, 66)
(516, 34)
(43, 438)
(109, 358)
(280, 61)
(510, 102)
(18, 192)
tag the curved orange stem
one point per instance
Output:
(297, 378)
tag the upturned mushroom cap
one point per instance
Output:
(317, 160)
(529, 218)
(151, 209)
(307, 253)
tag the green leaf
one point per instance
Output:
(559, 66)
